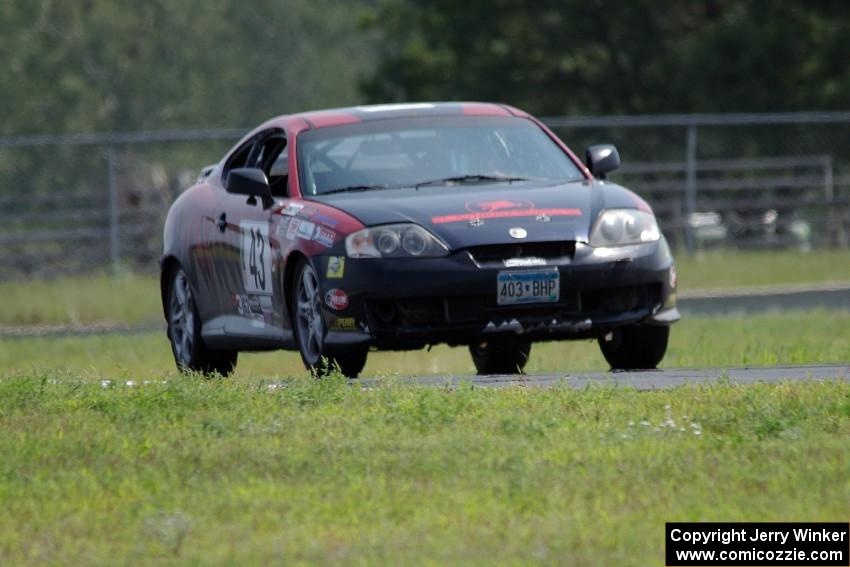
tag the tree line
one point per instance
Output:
(119, 65)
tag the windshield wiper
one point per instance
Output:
(354, 188)
(473, 178)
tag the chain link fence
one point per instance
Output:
(87, 203)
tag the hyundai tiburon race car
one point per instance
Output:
(394, 227)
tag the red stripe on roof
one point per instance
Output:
(482, 109)
(325, 119)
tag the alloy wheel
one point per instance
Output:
(309, 315)
(182, 319)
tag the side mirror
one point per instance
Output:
(252, 182)
(601, 159)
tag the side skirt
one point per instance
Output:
(231, 332)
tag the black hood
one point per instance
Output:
(473, 215)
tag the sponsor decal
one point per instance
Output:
(476, 222)
(292, 229)
(336, 299)
(306, 230)
(292, 209)
(524, 262)
(518, 232)
(282, 225)
(498, 205)
(236, 301)
(325, 220)
(506, 214)
(309, 212)
(543, 218)
(343, 323)
(266, 305)
(325, 236)
(255, 307)
(336, 267)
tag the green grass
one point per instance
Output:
(794, 338)
(715, 269)
(133, 299)
(264, 468)
(197, 472)
(129, 299)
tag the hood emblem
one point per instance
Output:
(518, 232)
(476, 222)
(543, 218)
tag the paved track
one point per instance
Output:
(652, 380)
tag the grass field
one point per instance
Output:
(109, 457)
(197, 472)
(792, 338)
(133, 299)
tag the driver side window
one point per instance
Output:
(279, 174)
(239, 158)
(270, 155)
(266, 151)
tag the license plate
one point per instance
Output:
(531, 286)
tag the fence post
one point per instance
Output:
(114, 249)
(834, 225)
(690, 184)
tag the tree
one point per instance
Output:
(595, 57)
(118, 65)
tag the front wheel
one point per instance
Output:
(635, 347)
(184, 332)
(500, 356)
(310, 330)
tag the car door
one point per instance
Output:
(251, 274)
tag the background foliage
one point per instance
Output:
(117, 65)
(638, 56)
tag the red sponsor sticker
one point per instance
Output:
(336, 299)
(506, 214)
(496, 205)
(325, 236)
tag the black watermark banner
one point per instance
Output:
(758, 544)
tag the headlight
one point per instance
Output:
(394, 241)
(618, 227)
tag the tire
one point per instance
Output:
(635, 347)
(350, 361)
(184, 332)
(500, 356)
(310, 330)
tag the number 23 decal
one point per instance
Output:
(256, 257)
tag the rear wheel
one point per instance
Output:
(310, 330)
(635, 347)
(500, 356)
(184, 332)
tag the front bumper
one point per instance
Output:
(408, 303)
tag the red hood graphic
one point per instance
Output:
(498, 205)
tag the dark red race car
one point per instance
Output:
(400, 226)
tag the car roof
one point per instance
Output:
(368, 113)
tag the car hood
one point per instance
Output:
(473, 215)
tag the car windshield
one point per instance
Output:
(448, 151)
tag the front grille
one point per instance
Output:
(498, 253)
